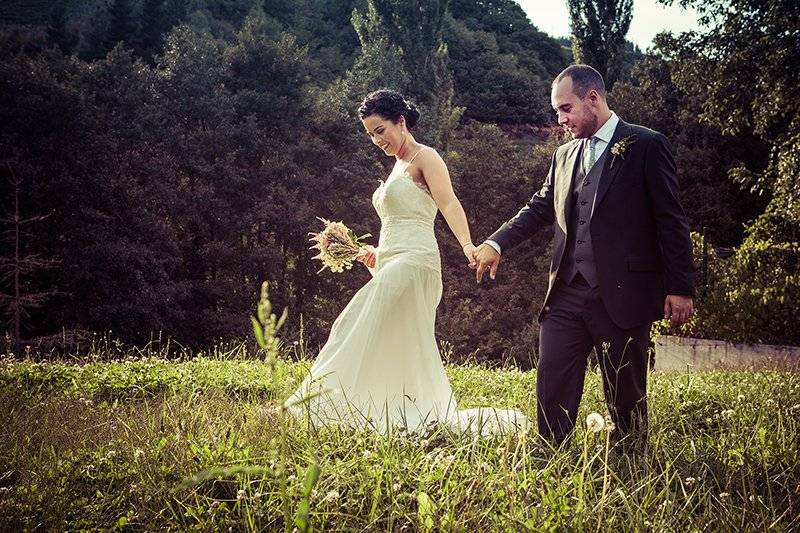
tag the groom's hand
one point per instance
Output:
(486, 258)
(678, 309)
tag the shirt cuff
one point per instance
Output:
(493, 245)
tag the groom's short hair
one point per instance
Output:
(584, 79)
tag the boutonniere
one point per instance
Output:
(620, 147)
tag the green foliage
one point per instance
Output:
(515, 34)
(598, 34)
(495, 45)
(408, 33)
(518, 93)
(743, 94)
(723, 454)
(703, 155)
(753, 296)
(122, 25)
(181, 167)
(266, 324)
(497, 319)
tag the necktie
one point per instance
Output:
(592, 142)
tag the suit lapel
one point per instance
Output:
(564, 180)
(610, 172)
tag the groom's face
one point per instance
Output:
(576, 115)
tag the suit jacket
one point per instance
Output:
(640, 234)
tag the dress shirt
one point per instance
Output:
(603, 138)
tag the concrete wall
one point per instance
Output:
(675, 353)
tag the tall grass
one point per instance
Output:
(199, 445)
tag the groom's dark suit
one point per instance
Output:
(621, 245)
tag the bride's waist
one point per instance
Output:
(400, 222)
(410, 253)
(412, 239)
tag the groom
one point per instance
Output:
(622, 257)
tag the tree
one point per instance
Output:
(703, 154)
(152, 28)
(744, 70)
(517, 94)
(534, 50)
(598, 34)
(57, 32)
(121, 25)
(17, 268)
(414, 30)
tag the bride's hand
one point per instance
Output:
(469, 253)
(368, 257)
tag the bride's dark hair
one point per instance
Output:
(390, 105)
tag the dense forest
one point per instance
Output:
(161, 158)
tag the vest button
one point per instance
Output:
(582, 222)
(580, 242)
(583, 202)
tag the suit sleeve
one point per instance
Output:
(672, 225)
(538, 212)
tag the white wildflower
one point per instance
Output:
(595, 422)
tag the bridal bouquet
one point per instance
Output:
(338, 246)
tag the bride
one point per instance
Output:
(381, 365)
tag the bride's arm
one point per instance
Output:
(435, 173)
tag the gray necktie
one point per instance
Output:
(592, 143)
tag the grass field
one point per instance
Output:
(198, 445)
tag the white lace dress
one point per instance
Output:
(381, 365)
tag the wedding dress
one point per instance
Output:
(381, 365)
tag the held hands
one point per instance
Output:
(678, 309)
(469, 253)
(367, 257)
(485, 258)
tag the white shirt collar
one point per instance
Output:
(606, 131)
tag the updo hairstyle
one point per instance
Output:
(391, 105)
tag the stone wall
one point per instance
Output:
(675, 353)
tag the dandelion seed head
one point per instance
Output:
(595, 422)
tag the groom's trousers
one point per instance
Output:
(575, 321)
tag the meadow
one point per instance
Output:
(143, 443)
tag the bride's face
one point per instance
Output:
(387, 135)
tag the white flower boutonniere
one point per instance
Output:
(619, 148)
